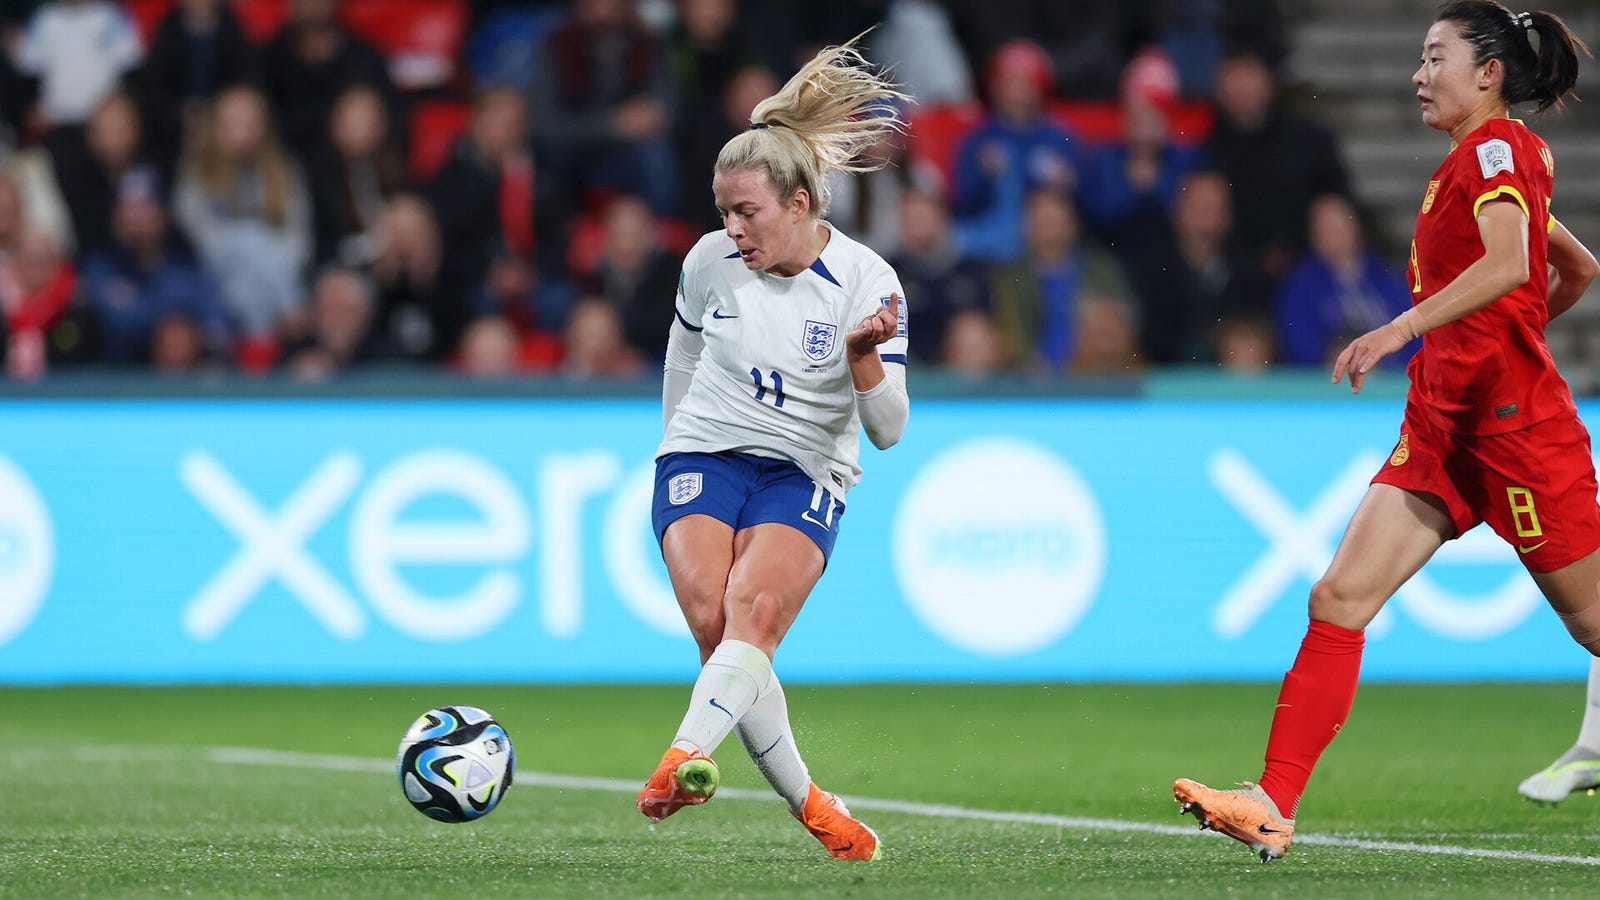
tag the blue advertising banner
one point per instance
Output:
(509, 540)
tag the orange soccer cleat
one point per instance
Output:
(829, 821)
(682, 779)
(1247, 815)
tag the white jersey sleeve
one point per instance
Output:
(884, 283)
(684, 340)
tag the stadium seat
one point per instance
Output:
(435, 125)
(421, 38)
(935, 132)
(261, 20)
(1099, 123)
(257, 355)
(503, 47)
(1192, 122)
(588, 241)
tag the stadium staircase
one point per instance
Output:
(1352, 67)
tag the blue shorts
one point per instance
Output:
(744, 490)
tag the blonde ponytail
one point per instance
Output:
(817, 124)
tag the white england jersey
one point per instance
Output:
(772, 379)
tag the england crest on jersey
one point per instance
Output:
(818, 339)
(683, 488)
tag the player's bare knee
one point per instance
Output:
(1334, 603)
(755, 612)
(1584, 626)
(1327, 602)
(707, 631)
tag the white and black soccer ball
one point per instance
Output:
(456, 763)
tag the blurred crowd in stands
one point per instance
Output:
(505, 189)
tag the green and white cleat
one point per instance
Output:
(1578, 769)
(698, 775)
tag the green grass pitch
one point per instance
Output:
(123, 792)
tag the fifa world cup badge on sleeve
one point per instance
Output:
(900, 328)
(683, 488)
(1494, 157)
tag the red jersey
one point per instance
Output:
(1489, 372)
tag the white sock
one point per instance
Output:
(1589, 733)
(731, 680)
(769, 740)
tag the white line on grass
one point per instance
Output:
(329, 762)
(250, 756)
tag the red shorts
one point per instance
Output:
(1535, 487)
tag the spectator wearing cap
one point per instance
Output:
(1130, 186)
(146, 276)
(1015, 152)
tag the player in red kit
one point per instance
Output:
(1490, 430)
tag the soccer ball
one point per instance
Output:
(455, 763)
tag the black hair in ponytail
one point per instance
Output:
(1544, 75)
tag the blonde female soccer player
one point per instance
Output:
(789, 340)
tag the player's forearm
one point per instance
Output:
(885, 409)
(1563, 293)
(1478, 285)
(866, 370)
(1572, 269)
(683, 353)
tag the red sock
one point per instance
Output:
(1315, 700)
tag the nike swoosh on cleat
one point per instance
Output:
(721, 707)
(1526, 550)
(845, 849)
(1265, 830)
